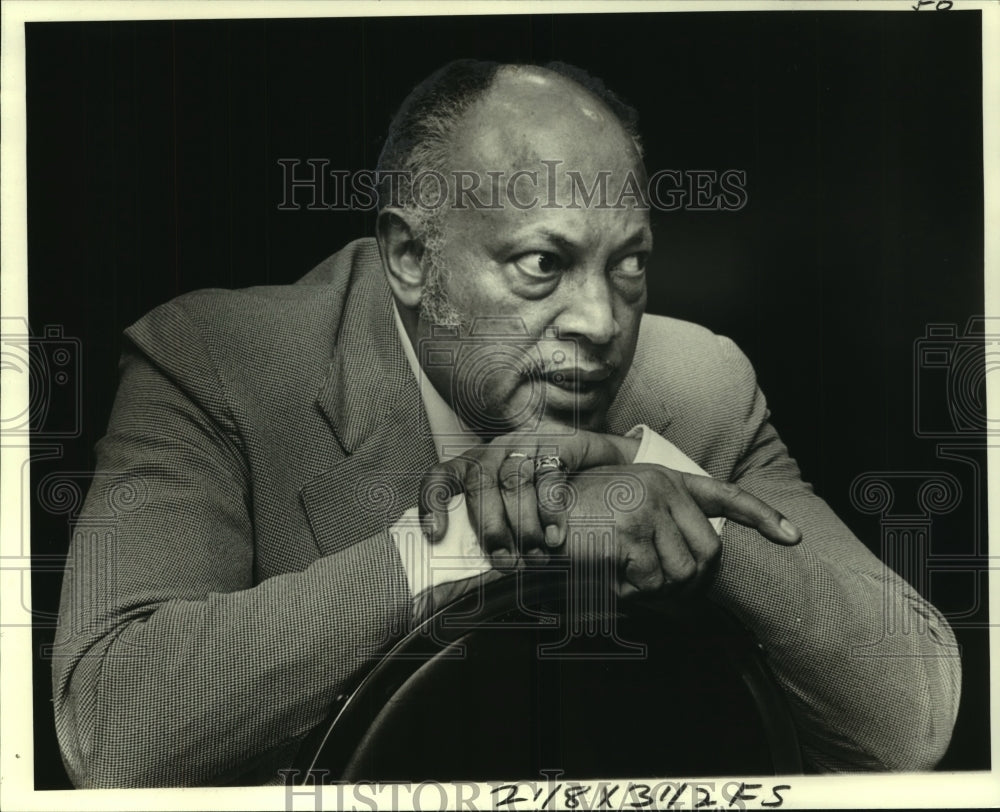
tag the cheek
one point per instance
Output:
(477, 292)
(476, 286)
(633, 294)
(629, 316)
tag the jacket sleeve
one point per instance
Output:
(870, 668)
(171, 665)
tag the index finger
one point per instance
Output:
(442, 482)
(578, 451)
(727, 499)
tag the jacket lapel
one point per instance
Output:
(372, 403)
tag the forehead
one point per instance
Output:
(531, 115)
(538, 134)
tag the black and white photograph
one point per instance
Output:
(499, 406)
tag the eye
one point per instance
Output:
(631, 266)
(540, 264)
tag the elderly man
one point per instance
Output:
(274, 452)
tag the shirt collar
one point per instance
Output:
(451, 438)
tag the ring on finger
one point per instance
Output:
(549, 462)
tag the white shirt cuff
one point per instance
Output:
(659, 450)
(454, 558)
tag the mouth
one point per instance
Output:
(577, 389)
(578, 379)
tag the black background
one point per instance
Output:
(152, 170)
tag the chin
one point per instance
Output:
(593, 421)
(529, 407)
(584, 421)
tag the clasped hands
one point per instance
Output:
(663, 542)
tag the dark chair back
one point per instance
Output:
(516, 681)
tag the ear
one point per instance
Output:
(401, 252)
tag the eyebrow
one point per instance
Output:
(638, 237)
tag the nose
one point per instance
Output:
(589, 312)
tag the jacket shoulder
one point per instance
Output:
(677, 350)
(268, 324)
(695, 375)
(665, 328)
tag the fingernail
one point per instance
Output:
(789, 529)
(553, 538)
(434, 526)
(503, 559)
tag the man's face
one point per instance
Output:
(550, 295)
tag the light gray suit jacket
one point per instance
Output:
(231, 571)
